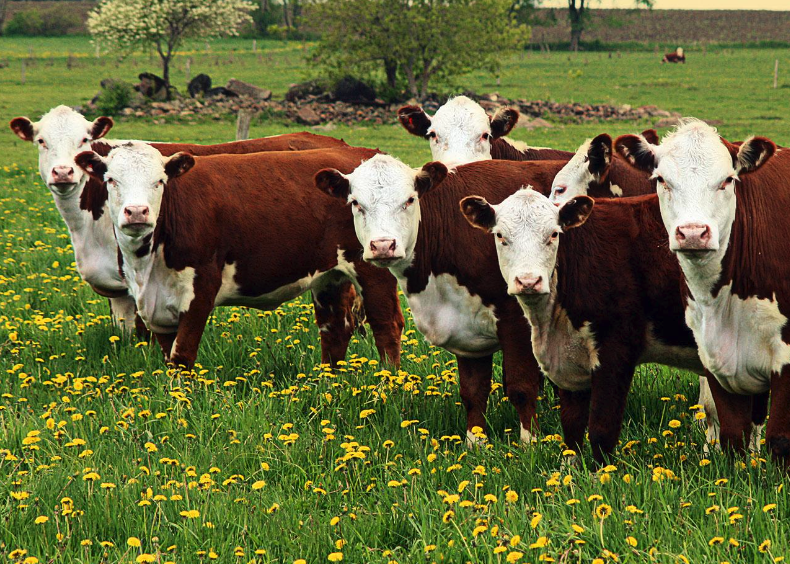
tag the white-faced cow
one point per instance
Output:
(60, 135)
(601, 291)
(447, 271)
(727, 224)
(462, 132)
(199, 232)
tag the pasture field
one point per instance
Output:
(263, 455)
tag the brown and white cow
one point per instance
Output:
(462, 132)
(447, 271)
(60, 135)
(677, 57)
(732, 245)
(200, 232)
(601, 291)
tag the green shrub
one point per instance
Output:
(114, 97)
(55, 21)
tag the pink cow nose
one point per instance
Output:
(528, 285)
(136, 214)
(693, 237)
(63, 174)
(383, 248)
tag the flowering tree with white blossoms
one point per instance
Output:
(125, 25)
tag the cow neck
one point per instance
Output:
(505, 149)
(620, 179)
(138, 258)
(70, 210)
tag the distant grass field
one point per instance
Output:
(262, 455)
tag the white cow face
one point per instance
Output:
(696, 171)
(60, 135)
(135, 175)
(460, 132)
(384, 195)
(589, 165)
(527, 228)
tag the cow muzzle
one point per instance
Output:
(528, 285)
(384, 251)
(62, 179)
(136, 219)
(693, 237)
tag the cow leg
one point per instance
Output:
(140, 329)
(759, 414)
(574, 413)
(166, 341)
(610, 384)
(192, 322)
(382, 307)
(524, 377)
(124, 311)
(474, 376)
(735, 415)
(711, 416)
(334, 315)
(777, 434)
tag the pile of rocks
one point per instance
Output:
(352, 101)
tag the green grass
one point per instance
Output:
(98, 421)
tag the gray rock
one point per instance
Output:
(308, 116)
(246, 89)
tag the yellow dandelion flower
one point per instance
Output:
(511, 496)
(674, 423)
(535, 520)
(145, 558)
(715, 540)
(540, 543)
(134, 542)
(515, 556)
(764, 546)
(603, 511)
(577, 529)
(335, 557)
(334, 520)
(41, 519)
(365, 413)
(190, 514)
(515, 540)
(769, 507)
(631, 541)
(258, 485)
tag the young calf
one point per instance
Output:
(462, 132)
(446, 270)
(601, 292)
(60, 135)
(199, 232)
(733, 248)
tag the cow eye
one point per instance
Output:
(555, 235)
(501, 239)
(85, 140)
(560, 190)
(660, 179)
(486, 136)
(42, 143)
(409, 202)
(726, 183)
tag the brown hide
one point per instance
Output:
(504, 151)
(631, 181)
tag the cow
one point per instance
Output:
(199, 232)
(676, 57)
(596, 171)
(601, 291)
(462, 132)
(448, 271)
(732, 246)
(62, 133)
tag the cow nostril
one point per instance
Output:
(392, 246)
(127, 212)
(679, 234)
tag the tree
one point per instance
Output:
(3, 4)
(125, 25)
(415, 43)
(578, 15)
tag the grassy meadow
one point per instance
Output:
(262, 455)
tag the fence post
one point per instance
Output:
(23, 71)
(776, 73)
(189, 69)
(243, 125)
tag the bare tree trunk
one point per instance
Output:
(577, 16)
(391, 70)
(3, 4)
(286, 18)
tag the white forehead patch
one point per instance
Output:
(135, 161)
(62, 122)
(463, 116)
(694, 149)
(380, 178)
(576, 171)
(526, 208)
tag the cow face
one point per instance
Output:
(384, 196)
(460, 132)
(589, 165)
(696, 171)
(527, 228)
(60, 135)
(135, 175)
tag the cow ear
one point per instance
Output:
(415, 120)
(651, 136)
(178, 164)
(575, 212)
(24, 128)
(93, 164)
(638, 151)
(101, 126)
(600, 155)
(333, 182)
(752, 154)
(429, 177)
(503, 122)
(478, 212)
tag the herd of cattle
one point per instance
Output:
(673, 252)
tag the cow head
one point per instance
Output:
(696, 171)
(461, 131)
(384, 195)
(60, 134)
(527, 228)
(135, 175)
(587, 168)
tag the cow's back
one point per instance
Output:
(302, 141)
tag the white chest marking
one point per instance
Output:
(616, 190)
(161, 293)
(452, 318)
(740, 341)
